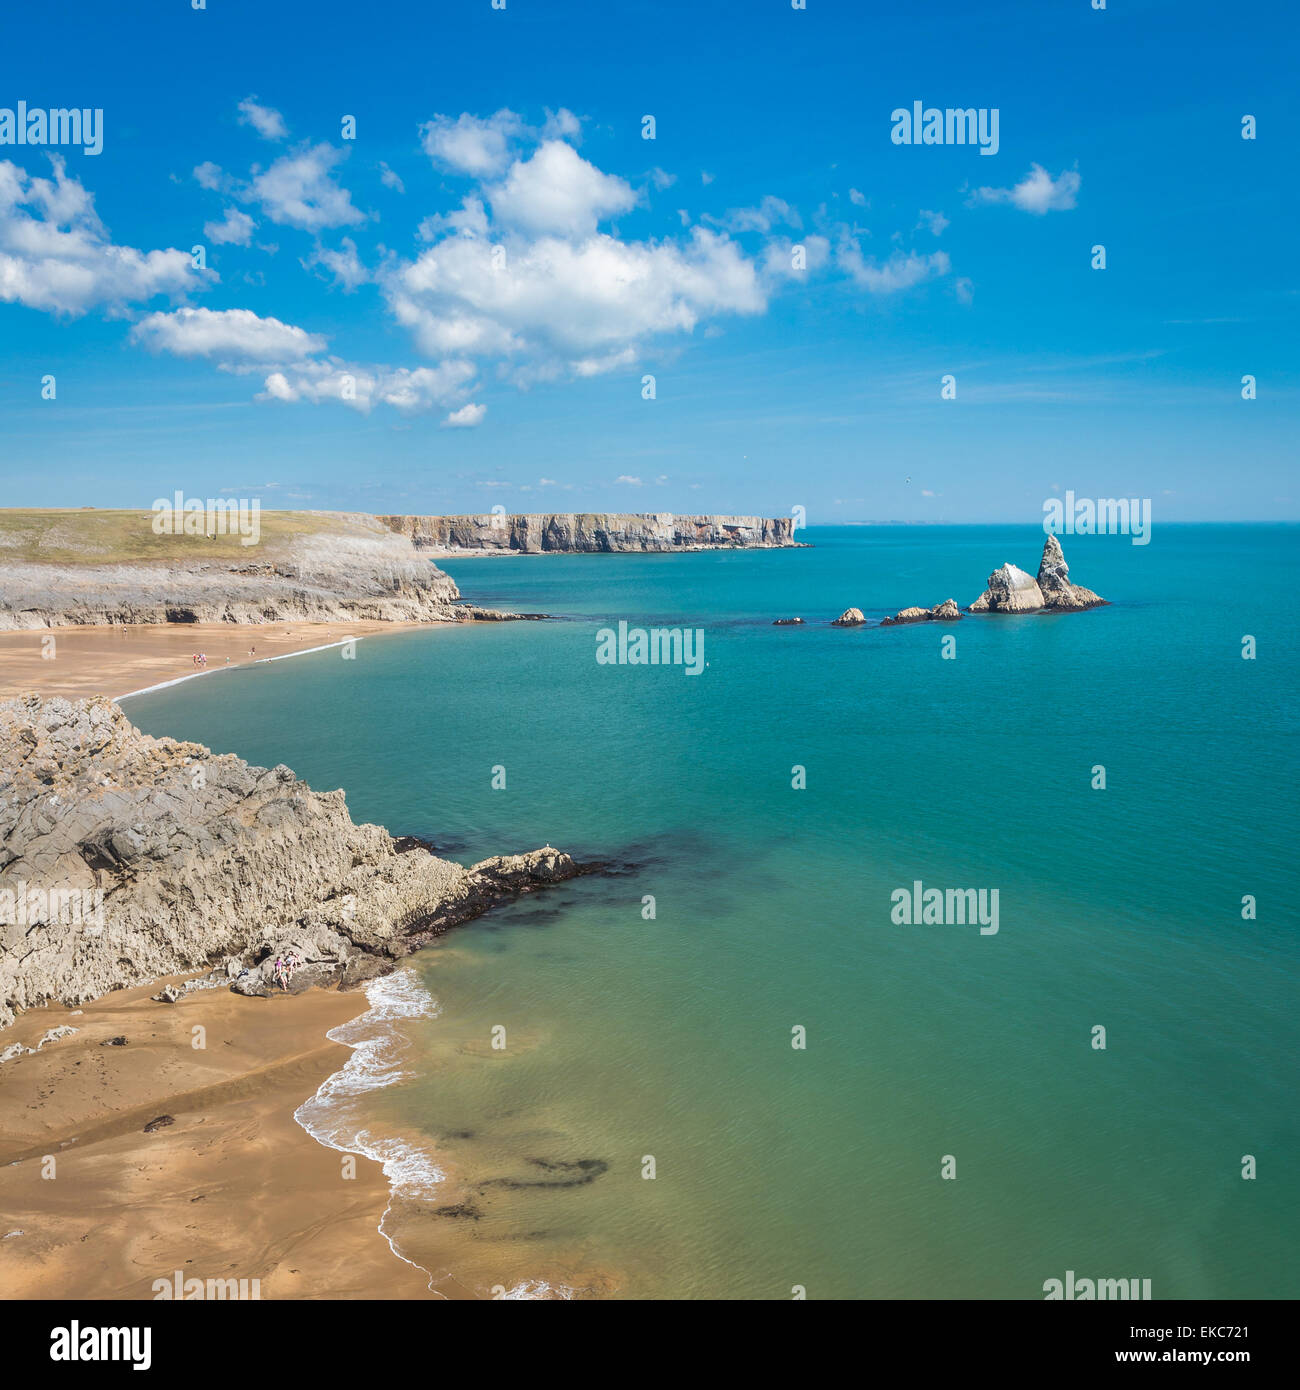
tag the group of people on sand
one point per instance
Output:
(199, 659)
(284, 967)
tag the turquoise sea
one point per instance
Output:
(626, 1040)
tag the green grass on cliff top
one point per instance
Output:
(88, 536)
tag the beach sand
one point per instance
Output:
(118, 660)
(233, 1189)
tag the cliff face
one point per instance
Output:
(124, 857)
(594, 532)
(339, 567)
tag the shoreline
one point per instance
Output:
(99, 659)
(235, 1186)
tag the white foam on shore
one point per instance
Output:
(238, 666)
(377, 1044)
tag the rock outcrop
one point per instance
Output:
(1011, 590)
(851, 617)
(1054, 581)
(336, 567)
(534, 534)
(945, 612)
(124, 858)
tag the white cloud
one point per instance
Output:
(364, 387)
(469, 145)
(344, 264)
(899, 272)
(935, 221)
(268, 122)
(299, 190)
(231, 335)
(57, 256)
(778, 257)
(581, 305)
(562, 125)
(1037, 192)
(236, 230)
(631, 482)
(771, 212)
(857, 199)
(209, 175)
(466, 417)
(390, 179)
(556, 190)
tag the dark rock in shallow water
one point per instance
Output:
(945, 612)
(787, 622)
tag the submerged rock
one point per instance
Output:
(945, 612)
(786, 622)
(851, 617)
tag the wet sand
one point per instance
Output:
(119, 660)
(234, 1188)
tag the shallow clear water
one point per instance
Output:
(671, 1038)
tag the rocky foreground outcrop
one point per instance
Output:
(593, 532)
(1011, 590)
(124, 858)
(338, 567)
(945, 612)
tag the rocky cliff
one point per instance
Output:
(594, 532)
(1011, 590)
(124, 857)
(305, 567)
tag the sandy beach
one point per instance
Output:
(121, 660)
(233, 1188)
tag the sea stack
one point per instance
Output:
(851, 617)
(1011, 590)
(1054, 581)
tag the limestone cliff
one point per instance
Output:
(594, 532)
(305, 567)
(125, 857)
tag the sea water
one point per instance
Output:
(721, 1068)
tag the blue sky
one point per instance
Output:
(518, 134)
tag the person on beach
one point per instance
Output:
(280, 973)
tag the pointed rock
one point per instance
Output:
(1054, 581)
(851, 617)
